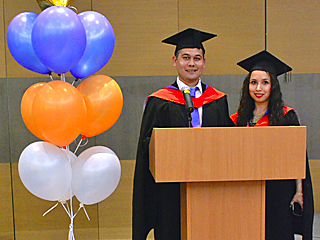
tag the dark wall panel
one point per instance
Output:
(302, 93)
(4, 127)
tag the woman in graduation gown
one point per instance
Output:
(261, 104)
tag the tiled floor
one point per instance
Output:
(316, 228)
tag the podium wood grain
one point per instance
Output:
(225, 210)
(222, 172)
(228, 153)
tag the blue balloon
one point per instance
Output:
(20, 44)
(100, 44)
(58, 38)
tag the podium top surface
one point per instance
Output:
(228, 153)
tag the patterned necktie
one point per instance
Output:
(195, 114)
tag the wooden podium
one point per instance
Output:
(222, 171)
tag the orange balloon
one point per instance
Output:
(26, 109)
(59, 112)
(104, 103)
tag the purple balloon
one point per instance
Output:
(20, 44)
(58, 38)
(100, 44)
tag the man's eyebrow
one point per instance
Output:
(188, 54)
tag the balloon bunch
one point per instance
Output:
(55, 174)
(59, 40)
(52, 173)
(58, 113)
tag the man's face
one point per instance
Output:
(190, 64)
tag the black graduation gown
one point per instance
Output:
(157, 205)
(281, 224)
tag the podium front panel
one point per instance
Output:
(223, 210)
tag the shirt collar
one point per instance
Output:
(182, 84)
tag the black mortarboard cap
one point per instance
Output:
(265, 61)
(189, 38)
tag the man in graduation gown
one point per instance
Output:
(157, 205)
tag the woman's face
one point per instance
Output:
(260, 86)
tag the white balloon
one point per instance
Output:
(72, 158)
(96, 149)
(45, 170)
(95, 175)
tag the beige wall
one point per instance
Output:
(293, 33)
(6, 220)
(315, 176)
(2, 44)
(140, 26)
(238, 24)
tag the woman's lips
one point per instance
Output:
(258, 95)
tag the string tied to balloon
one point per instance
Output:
(63, 77)
(71, 233)
(50, 75)
(74, 81)
(69, 211)
(79, 144)
(81, 206)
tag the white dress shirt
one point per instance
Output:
(182, 85)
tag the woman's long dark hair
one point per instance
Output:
(247, 104)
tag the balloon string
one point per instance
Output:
(63, 77)
(50, 209)
(66, 209)
(70, 160)
(71, 233)
(86, 142)
(75, 80)
(71, 216)
(72, 7)
(66, 204)
(84, 209)
(78, 146)
(69, 211)
(51, 77)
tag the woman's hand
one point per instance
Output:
(298, 197)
